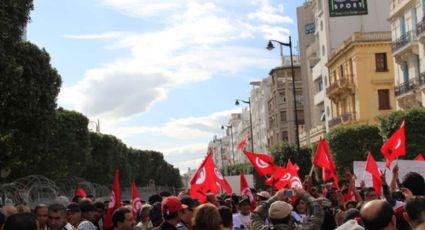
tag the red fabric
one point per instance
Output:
(395, 146)
(80, 192)
(246, 191)
(294, 181)
(323, 158)
(242, 144)
(262, 163)
(207, 178)
(372, 168)
(419, 157)
(279, 179)
(114, 201)
(350, 194)
(136, 204)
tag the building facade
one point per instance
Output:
(361, 84)
(259, 96)
(408, 35)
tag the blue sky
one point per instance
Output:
(161, 75)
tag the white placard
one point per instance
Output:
(404, 166)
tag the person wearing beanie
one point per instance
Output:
(279, 212)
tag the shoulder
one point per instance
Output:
(86, 225)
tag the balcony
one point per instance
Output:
(345, 118)
(406, 45)
(340, 87)
(420, 29)
(412, 84)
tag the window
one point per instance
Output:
(323, 116)
(384, 99)
(299, 99)
(300, 117)
(320, 86)
(309, 28)
(283, 116)
(282, 98)
(285, 136)
(381, 62)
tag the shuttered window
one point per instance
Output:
(384, 99)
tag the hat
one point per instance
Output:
(279, 210)
(264, 194)
(73, 207)
(172, 204)
(87, 206)
(189, 202)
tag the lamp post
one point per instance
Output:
(289, 44)
(250, 119)
(231, 136)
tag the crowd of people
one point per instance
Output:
(401, 206)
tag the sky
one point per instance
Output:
(161, 74)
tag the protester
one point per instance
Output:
(88, 214)
(155, 215)
(300, 211)
(171, 208)
(143, 220)
(226, 217)
(73, 214)
(242, 219)
(187, 213)
(415, 212)
(377, 215)
(41, 212)
(57, 218)
(100, 213)
(122, 219)
(21, 221)
(262, 196)
(206, 217)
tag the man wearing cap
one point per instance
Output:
(262, 196)
(278, 212)
(242, 220)
(187, 213)
(73, 214)
(171, 209)
(88, 214)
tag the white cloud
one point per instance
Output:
(269, 14)
(143, 8)
(107, 35)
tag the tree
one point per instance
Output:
(351, 143)
(286, 151)
(414, 128)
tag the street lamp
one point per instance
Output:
(289, 44)
(250, 119)
(231, 135)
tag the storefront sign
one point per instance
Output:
(339, 8)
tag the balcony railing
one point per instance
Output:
(404, 40)
(344, 118)
(410, 85)
(420, 27)
(340, 83)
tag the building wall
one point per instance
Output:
(259, 96)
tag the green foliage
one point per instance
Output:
(286, 151)
(235, 169)
(351, 143)
(414, 128)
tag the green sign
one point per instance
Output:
(339, 8)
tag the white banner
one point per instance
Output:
(404, 166)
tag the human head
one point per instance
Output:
(378, 214)
(206, 217)
(279, 212)
(351, 214)
(415, 183)
(122, 219)
(170, 208)
(263, 196)
(211, 197)
(187, 213)
(41, 212)
(244, 206)
(415, 211)
(370, 194)
(154, 198)
(73, 214)
(88, 210)
(143, 213)
(100, 210)
(226, 216)
(300, 206)
(21, 221)
(155, 214)
(56, 216)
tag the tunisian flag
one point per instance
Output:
(279, 179)
(395, 146)
(419, 157)
(242, 144)
(372, 168)
(207, 179)
(136, 204)
(262, 163)
(114, 200)
(294, 180)
(246, 191)
(80, 192)
(323, 159)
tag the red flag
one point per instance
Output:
(372, 168)
(279, 179)
(262, 163)
(136, 204)
(395, 146)
(207, 178)
(294, 181)
(350, 194)
(246, 191)
(114, 201)
(242, 144)
(80, 192)
(419, 157)
(323, 159)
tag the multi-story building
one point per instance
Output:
(280, 104)
(408, 35)
(259, 96)
(361, 84)
(334, 21)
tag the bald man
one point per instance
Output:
(378, 215)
